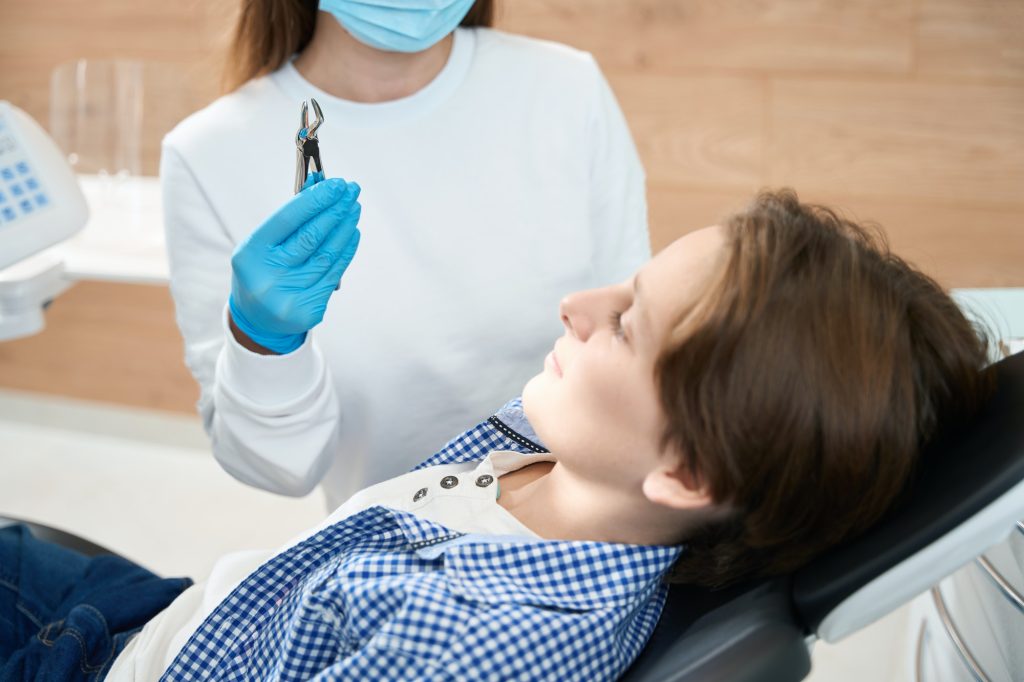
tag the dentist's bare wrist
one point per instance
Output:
(244, 341)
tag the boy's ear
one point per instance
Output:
(675, 487)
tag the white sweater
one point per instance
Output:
(507, 182)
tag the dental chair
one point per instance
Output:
(58, 537)
(966, 496)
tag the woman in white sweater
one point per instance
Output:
(497, 175)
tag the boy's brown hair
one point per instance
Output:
(802, 392)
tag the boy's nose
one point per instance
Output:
(576, 317)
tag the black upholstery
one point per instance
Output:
(741, 634)
(959, 475)
(58, 537)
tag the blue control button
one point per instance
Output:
(41, 200)
(16, 190)
(26, 206)
(9, 213)
(31, 184)
(6, 173)
(22, 168)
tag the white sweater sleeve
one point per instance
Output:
(272, 420)
(618, 202)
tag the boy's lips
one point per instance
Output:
(554, 363)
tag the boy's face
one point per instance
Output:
(595, 404)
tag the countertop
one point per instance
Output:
(124, 238)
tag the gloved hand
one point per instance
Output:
(283, 275)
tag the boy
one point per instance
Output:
(756, 393)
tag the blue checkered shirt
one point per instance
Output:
(386, 595)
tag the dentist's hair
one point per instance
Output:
(268, 32)
(802, 391)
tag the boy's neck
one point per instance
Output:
(556, 505)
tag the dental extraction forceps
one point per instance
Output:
(307, 146)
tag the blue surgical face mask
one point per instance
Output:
(398, 25)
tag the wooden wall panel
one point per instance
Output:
(932, 236)
(705, 131)
(931, 239)
(853, 36)
(935, 237)
(115, 343)
(912, 140)
(675, 210)
(971, 39)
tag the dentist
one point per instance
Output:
(497, 174)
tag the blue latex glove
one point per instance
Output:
(283, 275)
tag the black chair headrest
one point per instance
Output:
(958, 475)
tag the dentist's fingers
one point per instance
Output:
(327, 259)
(334, 241)
(298, 211)
(329, 282)
(334, 249)
(316, 235)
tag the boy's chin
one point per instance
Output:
(533, 393)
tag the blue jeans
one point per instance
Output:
(65, 616)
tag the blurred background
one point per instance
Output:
(909, 113)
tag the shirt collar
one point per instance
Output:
(562, 574)
(512, 415)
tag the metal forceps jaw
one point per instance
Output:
(307, 145)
